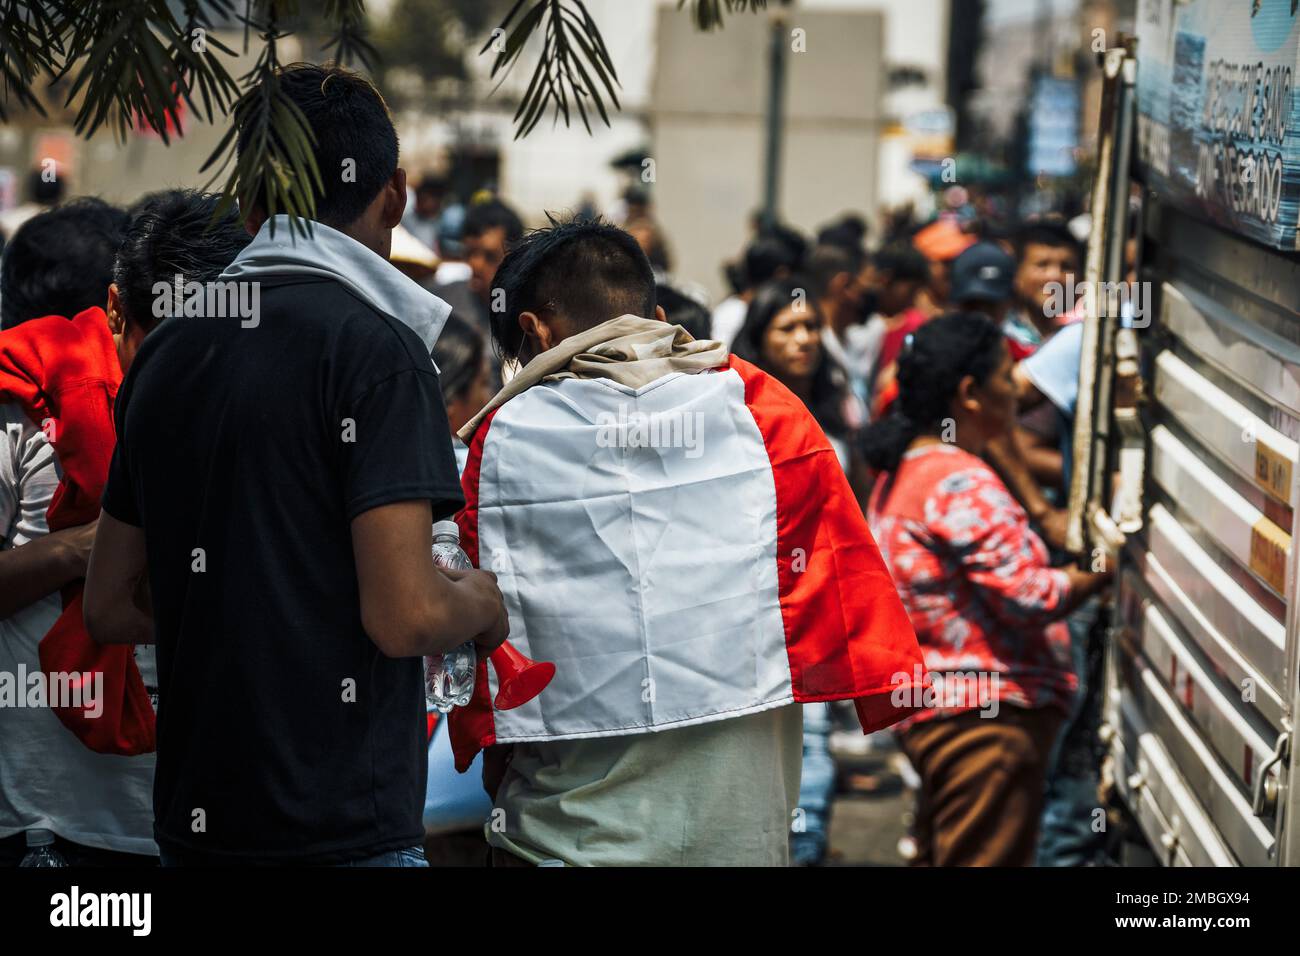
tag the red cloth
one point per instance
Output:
(65, 375)
(846, 632)
(909, 322)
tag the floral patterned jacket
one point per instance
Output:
(975, 581)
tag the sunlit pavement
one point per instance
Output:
(868, 814)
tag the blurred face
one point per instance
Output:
(484, 254)
(939, 281)
(997, 397)
(427, 204)
(890, 296)
(1039, 266)
(644, 233)
(466, 405)
(792, 344)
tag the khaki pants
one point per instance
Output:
(981, 785)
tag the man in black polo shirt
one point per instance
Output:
(278, 468)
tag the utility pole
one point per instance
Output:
(776, 58)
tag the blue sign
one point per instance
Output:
(1218, 130)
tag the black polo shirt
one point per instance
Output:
(244, 453)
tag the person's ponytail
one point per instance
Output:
(884, 442)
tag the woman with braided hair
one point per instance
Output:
(986, 606)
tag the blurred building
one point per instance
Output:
(865, 97)
(1030, 84)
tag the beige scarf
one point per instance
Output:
(629, 350)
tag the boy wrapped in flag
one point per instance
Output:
(672, 529)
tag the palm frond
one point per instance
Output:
(573, 69)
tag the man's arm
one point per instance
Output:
(1027, 394)
(1004, 453)
(117, 567)
(409, 607)
(1044, 461)
(41, 567)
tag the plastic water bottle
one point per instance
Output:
(449, 677)
(40, 851)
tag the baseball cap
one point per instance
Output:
(982, 273)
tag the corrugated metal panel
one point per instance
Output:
(1248, 837)
(1261, 361)
(1242, 640)
(1174, 822)
(1238, 526)
(1207, 661)
(1226, 722)
(1251, 446)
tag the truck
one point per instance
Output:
(1186, 474)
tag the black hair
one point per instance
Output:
(459, 357)
(492, 214)
(902, 262)
(1055, 235)
(829, 385)
(765, 257)
(796, 246)
(432, 185)
(60, 262)
(848, 232)
(353, 132)
(46, 192)
(733, 273)
(827, 261)
(683, 310)
(931, 366)
(172, 233)
(584, 270)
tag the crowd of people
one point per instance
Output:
(838, 493)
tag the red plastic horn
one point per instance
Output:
(519, 678)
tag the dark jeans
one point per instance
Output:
(14, 848)
(1067, 835)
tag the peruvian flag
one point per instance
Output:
(684, 552)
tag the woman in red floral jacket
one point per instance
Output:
(985, 603)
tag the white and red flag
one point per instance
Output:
(684, 551)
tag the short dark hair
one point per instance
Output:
(46, 192)
(765, 259)
(60, 262)
(795, 244)
(458, 354)
(172, 233)
(827, 261)
(1055, 235)
(492, 214)
(849, 231)
(681, 309)
(350, 121)
(432, 185)
(584, 270)
(902, 263)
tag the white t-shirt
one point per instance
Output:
(48, 778)
(728, 319)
